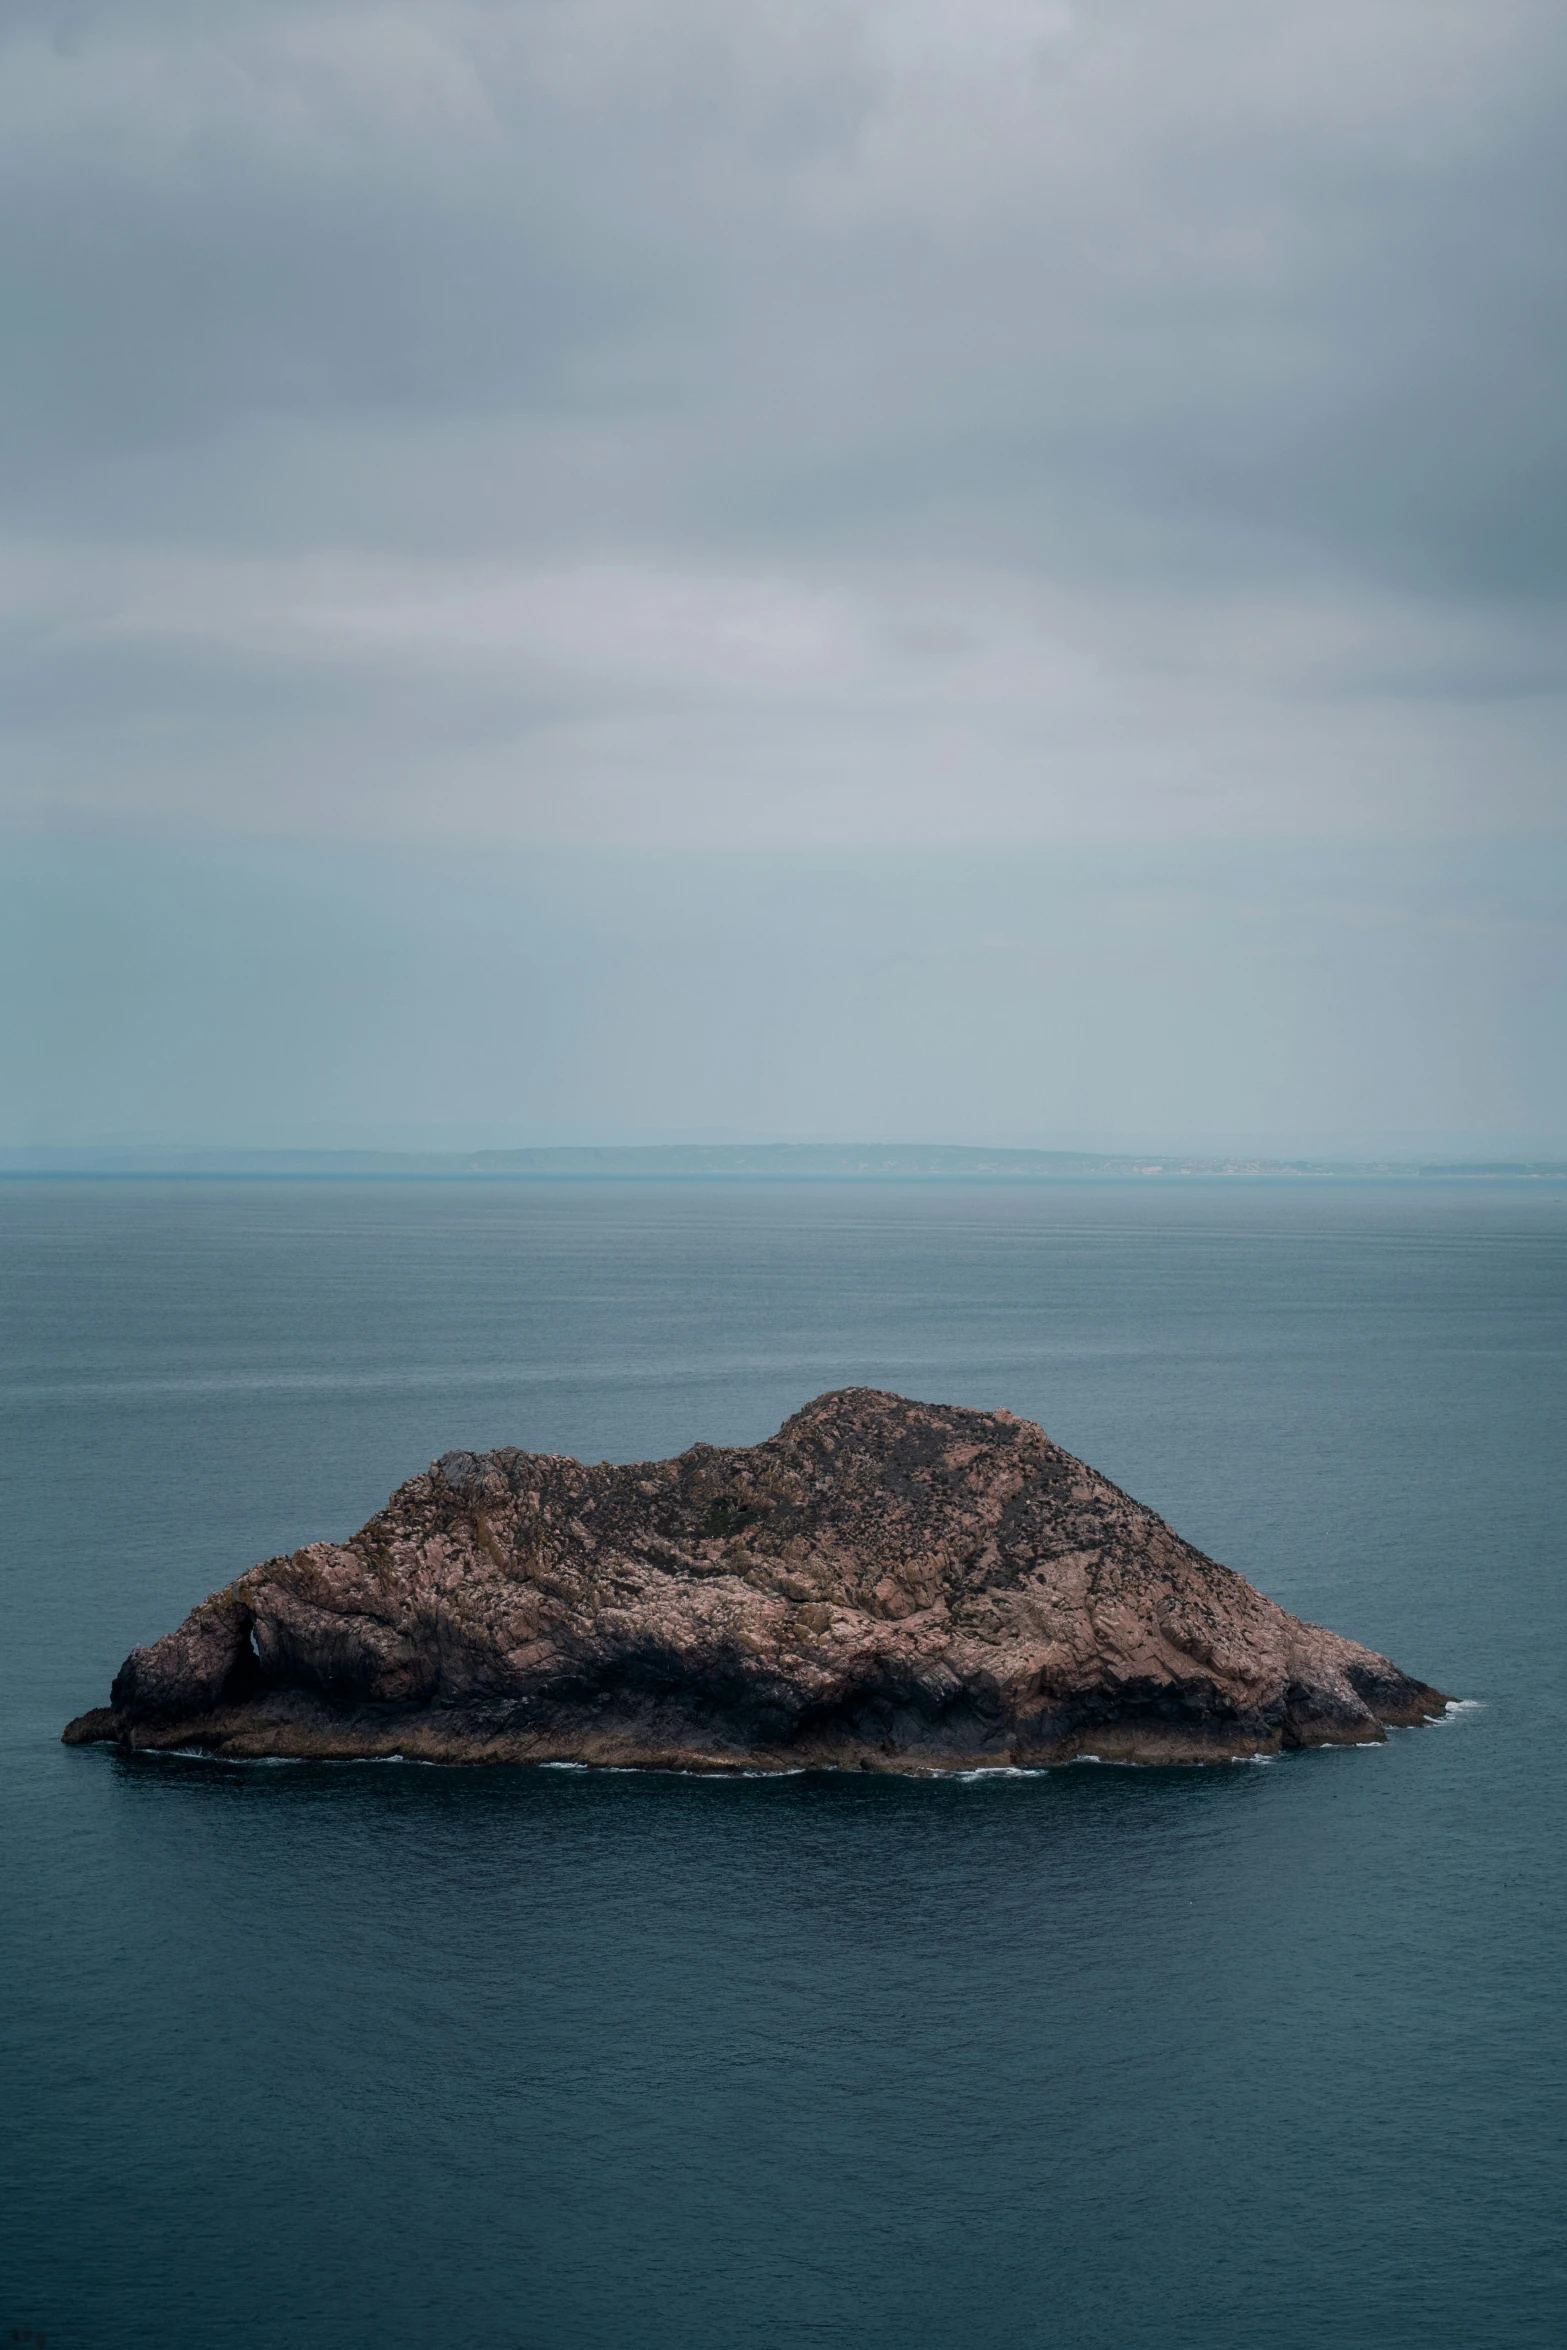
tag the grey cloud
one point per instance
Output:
(603, 701)
(1306, 279)
(1224, 342)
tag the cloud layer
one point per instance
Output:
(738, 422)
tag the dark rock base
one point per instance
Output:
(298, 1724)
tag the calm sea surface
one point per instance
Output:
(377, 2057)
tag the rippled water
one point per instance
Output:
(388, 2056)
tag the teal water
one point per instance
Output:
(386, 2057)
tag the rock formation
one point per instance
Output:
(883, 1584)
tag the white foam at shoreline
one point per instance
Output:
(1455, 1709)
(235, 1762)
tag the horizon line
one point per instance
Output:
(738, 1161)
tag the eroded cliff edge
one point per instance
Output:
(883, 1584)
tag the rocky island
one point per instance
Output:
(883, 1585)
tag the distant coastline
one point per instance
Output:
(755, 1162)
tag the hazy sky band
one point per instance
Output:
(1248, 996)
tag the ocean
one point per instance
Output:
(389, 2057)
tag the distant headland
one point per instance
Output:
(756, 1162)
(883, 1585)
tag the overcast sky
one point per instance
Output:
(594, 455)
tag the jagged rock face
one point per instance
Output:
(882, 1584)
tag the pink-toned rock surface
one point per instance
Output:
(883, 1584)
